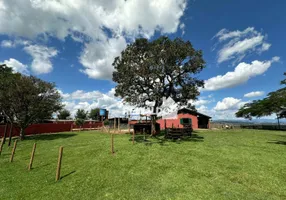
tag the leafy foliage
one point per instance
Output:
(26, 99)
(64, 114)
(94, 114)
(150, 71)
(274, 103)
(80, 116)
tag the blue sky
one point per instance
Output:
(73, 44)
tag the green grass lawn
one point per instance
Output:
(224, 164)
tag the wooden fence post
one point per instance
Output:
(13, 151)
(32, 157)
(1, 145)
(58, 174)
(112, 144)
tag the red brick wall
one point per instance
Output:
(46, 128)
(176, 122)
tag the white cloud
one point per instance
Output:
(41, 63)
(97, 57)
(12, 44)
(7, 44)
(236, 44)
(265, 47)
(104, 26)
(16, 65)
(254, 94)
(241, 74)
(228, 103)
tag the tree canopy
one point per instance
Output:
(64, 114)
(149, 71)
(80, 117)
(274, 103)
(25, 100)
(94, 114)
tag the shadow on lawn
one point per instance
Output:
(72, 172)
(278, 142)
(160, 139)
(50, 136)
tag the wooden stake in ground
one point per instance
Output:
(13, 151)
(112, 144)
(1, 145)
(32, 157)
(118, 125)
(58, 174)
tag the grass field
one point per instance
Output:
(224, 164)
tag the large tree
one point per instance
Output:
(274, 103)
(80, 117)
(148, 71)
(94, 114)
(64, 114)
(26, 100)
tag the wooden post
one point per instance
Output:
(10, 134)
(58, 174)
(13, 151)
(133, 137)
(1, 145)
(112, 144)
(118, 125)
(71, 127)
(114, 124)
(32, 157)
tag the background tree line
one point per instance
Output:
(273, 103)
(25, 100)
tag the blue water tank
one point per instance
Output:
(102, 112)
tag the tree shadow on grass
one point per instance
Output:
(160, 139)
(50, 136)
(277, 142)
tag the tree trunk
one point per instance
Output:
(5, 133)
(278, 122)
(10, 134)
(153, 124)
(22, 133)
(153, 119)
